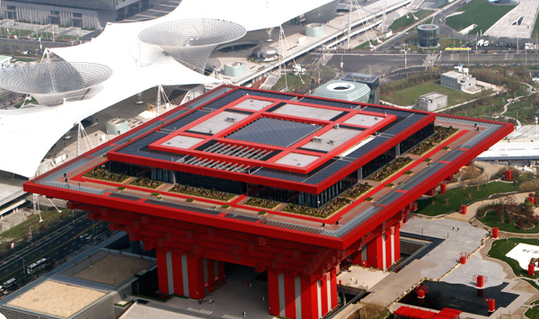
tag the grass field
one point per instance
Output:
(533, 313)
(451, 43)
(490, 219)
(409, 95)
(408, 20)
(458, 196)
(480, 12)
(524, 111)
(500, 248)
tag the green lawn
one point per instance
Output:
(50, 216)
(500, 248)
(524, 111)
(490, 219)
(408, 20)
(409, 95)
(458, 196)
(451, 43)
(480, 12)
(533, 313)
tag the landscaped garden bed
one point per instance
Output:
(357, 190)
(146, 182)
(390, 169)
(260, 202)
(442, 133)
(202, 192)
(422, 148)
(324, 211)
(104, 174)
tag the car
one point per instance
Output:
(67, 137)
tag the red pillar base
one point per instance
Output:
(306, 297)
(202, 275)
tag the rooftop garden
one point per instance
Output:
(441, 133)
(202, 192)
(260, 202)
(357, 190)
(101, 172)
(324, 211)
(390, 169)
(146, 182)
(422, 148)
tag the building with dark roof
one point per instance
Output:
(77, 13)
(372, 81)
(288, 184)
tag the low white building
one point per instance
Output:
(431, 102)
(461, 81)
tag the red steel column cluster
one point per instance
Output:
(294, 295)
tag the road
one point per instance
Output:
(69, 239)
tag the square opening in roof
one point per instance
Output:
(183, 142)
(296, 159)
(253, 104)
(275, 132)
(218, 122)
(364, 120)
(307, 112)
(332, 139)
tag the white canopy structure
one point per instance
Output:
(28, 133)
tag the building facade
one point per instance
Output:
(288, 184)
(88, 14)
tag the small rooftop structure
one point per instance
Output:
(344, 90)
(431, 101)
(458, 80)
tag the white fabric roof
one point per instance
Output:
(29, 133)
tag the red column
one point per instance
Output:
(443, 188)
(290, 294)
(162, 272)
(333, 283)
(273, 292)
(177, 273)
(309, 298)
(195, 269)
(374, 253)
(388, 244)
(397, 239)
(508, 175)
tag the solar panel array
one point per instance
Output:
(343, 105)
(184, 120)
(275, 132)
(374, 143)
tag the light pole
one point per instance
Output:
(536, 120)
(370, 70)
